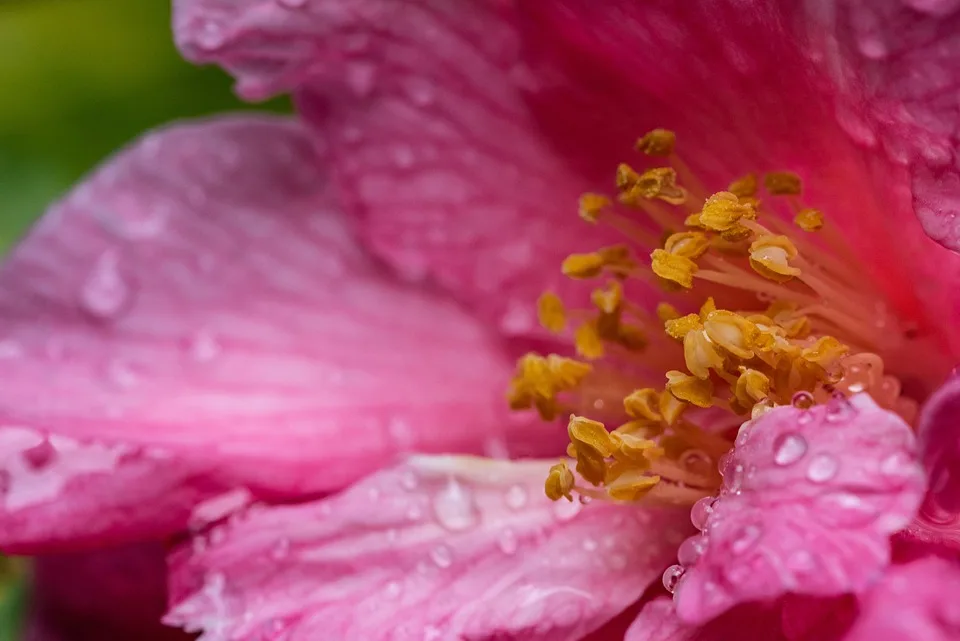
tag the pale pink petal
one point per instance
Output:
(116, 593)
(195, 317)
(439, 548)
(437, 153)
(809, 502)
(916, 601)
(658, 621)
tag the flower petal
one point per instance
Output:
(117, 593)
(810, 499)
(195, 317)
(939, 431)
(436, 152)
(658, 621)
(437, 548)
(916, 601)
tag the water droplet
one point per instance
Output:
(421, 91)
(565, 510)
(403, 156)
(121, 374)
(105, 293)
(40, 455)
(898, 466)
(589, 545)
(408, 480)
(822, 468)
(743, 434)
(441, 556)
(203, 346)
(454, 507)
(361, 78)
(789, 448)
(516, 497)
(701, 511)
(691, 550)
(671, 577)
(745, 539)
(839, 409)
(210, 35)
(584, 499)
(734, 480)
(802, 400)
(392, 590)
(281, 550)
(507, 541)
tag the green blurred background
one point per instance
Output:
(79, 78)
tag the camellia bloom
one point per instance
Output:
(240, 316)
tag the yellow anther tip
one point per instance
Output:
(659, 142)
(745, 187)
(588, 342)
(689, 244)
(770, 257)
(673, 268)
(582, 266)
(551, 313)
(592, 205)
(783, 183)
(666, 311)
(643, 404)
(690, 389)
(722, 212)
(809, 220)
(559, 483)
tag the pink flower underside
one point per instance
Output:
(464, 131)
(194, 317)
(439, 548)
(810, 499)
(114, 594)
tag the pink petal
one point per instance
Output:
(939, 430)
(436, 149)
(810, 499)
(117, 593)
(195, 317)
(438, 548)
(658, 621)
(915, 601)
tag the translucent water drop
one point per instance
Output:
(745, 539)
(515, 497)
(589, 545)
(802, 400)
(565, 510)
(691, 550)
(584, 499)
(507, 540)
(105, 293)
(392, 590)
(822, 468)
(839, 409)
(671, 577)
(455, 508)
(734, 480)
(789, 448)
(701, 511)
(441, 556)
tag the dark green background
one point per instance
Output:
(79, 78)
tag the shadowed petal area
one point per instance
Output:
(939, 431)
(116, 593)
(658, 621)
(435, 150)
(810, 499)
(195, 317)
(439, 548)
(916, 601)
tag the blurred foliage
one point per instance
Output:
(79, 78)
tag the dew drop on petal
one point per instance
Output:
(515, 497)
(455, 508)
(701, 511)
(507, 540)
(441, 556)
(745, 539)
(105, 293)
(691, 550)
(789, 448)
(802, 400)
(671, 577)
(839, 409)
(392, 590)
(822, 468)
(565, 510)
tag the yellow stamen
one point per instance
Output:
(700, 355)
(744, 187)
(732, 332)
(678, 328)
(659, 142)
(783, 183)
(631, 486)
(690, 389)
(689, 244)
(588, 342)
(770, 257)
(592, 205)
(559, 483)
(582, 266)
(673, 268)
(643, 404)
(608, 300)
(752, 387)
(551, 313)
(666, 311)
(809, 219)
(659, 183)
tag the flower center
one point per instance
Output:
(773, 312)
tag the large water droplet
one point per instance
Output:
(441, 556)
(507, 541)
(105, 293)
(455, 508)
(516, 497)
(789, 448)
(745, 539)
(701, 511)
(822, 468)
(802, 400)
(671, 577)
(691, 550)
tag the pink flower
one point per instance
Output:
(245, 315)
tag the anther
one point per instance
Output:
(659, 142)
